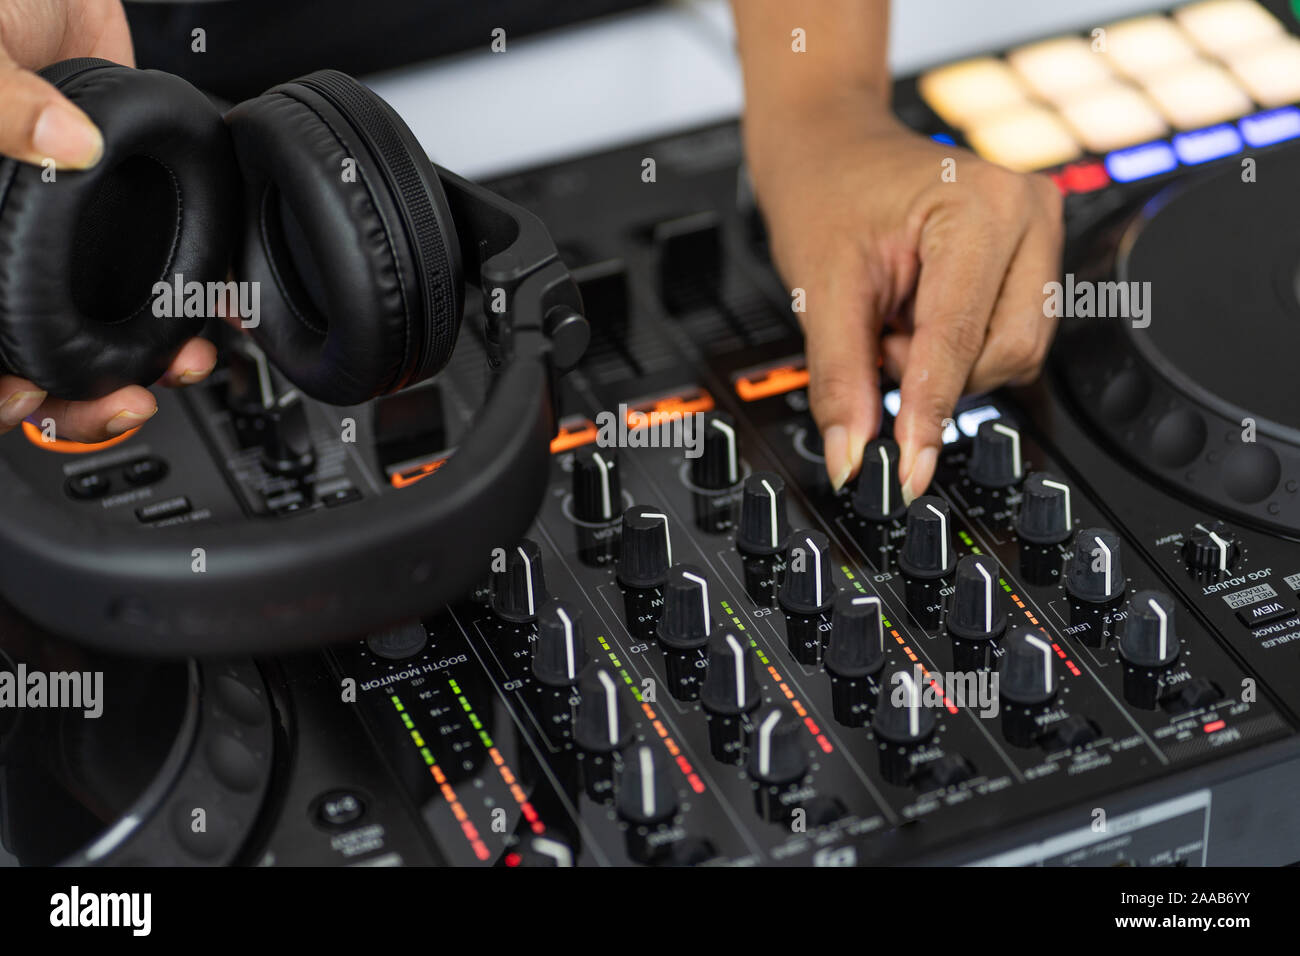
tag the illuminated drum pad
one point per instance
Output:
(1271, 73)
(1198, 93)
(1146, 46)
(1113, 116)
(1222, 27)
(963, 92)
(1030, 137)
(1060, 70)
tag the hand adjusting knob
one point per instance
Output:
(597, 488)
(519, 591)
(1095, 572)
(1045, 515)
(901, 717)
(685, 622)
(857, 642)
(561, 652)
(927, 552)
(807, 587)
(995, 456)
(778, 755)
(718, 465)
(1026, 672)
(646, 547)
(601, 725)
(730, 687)
(877, 495)
(645, 788)
(978, 612)
(764, 527)
(1211, 547)
(1149, 638)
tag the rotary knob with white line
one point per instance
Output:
(857, 642)
(1095, 573)
(995, 456)
(1211, 547)
(519, 589)
(978, 612)
(718, 464)
(877, 495)
(807, 587)
(602, 725)
(685, 623)
(1149, 638)
(764, 527)
(1026, 673)
(1045, 515)
(646, 550)
(927, 552)
(645, 788)
(560, 653)
(778, 755)
(597, 489)
(901, 715)
(730, 687)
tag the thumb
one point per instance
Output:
(38, 123)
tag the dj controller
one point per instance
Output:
(1080, 647)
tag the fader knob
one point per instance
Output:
(764, 527)
(729, 684)
(645, 788)
(901, 716)
(778, 755)
(602, 724)
(561, 653)
(597, 489)
(877, 495)
(1045, 515)
(1211, 547)
(646, 547)
(807, 587)
(685, 622)
(718, 464)
(519, 591)
(927, 552)
(977, 612)
(1026, 672)
(857, 641)
(995, 456)
(1149, 638)
(1095, 572)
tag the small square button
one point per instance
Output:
(1221, 26)
(1025, 139)
(1198, 94)
(1271, 73)
(1146, 46)
(1113, 116)
(1059, 70)
(963, 92)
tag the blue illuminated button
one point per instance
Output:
(1275, 126)
(1203, 145)
(1141, 162)
(944, 138)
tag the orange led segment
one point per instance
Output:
(656, 411)
(37, 438)
(409, 476)
(574, 433)
(774, 381)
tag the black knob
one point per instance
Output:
(1095, 572)
(286, 438)
(778, 754)
(1045, 515)
(645, 788)
(927, 552)
(995, 456)
(764, 527)
(646, 547)
(877, 495)
(1149, 638)
(1026, 673)
(519, 590)
(597, 490)
(602, 725)
(729, 684)
(718, 463)
(901, 715)
(560, 653)
(978, 612)
(857, 641)
(807, 587)
(1211, 547)
(685, 622)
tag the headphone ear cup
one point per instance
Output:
(349, 236)
(81, 252)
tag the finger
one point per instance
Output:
(37, 123)
(893, 354)
(18, 399)
(101, 418)
(193, 363)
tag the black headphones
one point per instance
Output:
(360, 245)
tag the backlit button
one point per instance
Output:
(1258, 614)
(1113, 116)
(145, 471)
(85, 487)
(1271, 74)
(1024, 139)
(167, 508)
(963, 92)
(1058, 69)
(1198, 94)
(1220, 26)
(339, 808)
(1145, 46)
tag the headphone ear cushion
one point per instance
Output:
(348, 234)
(82, 251)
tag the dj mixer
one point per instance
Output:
(1080, 647)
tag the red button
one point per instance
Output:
(1085, 177)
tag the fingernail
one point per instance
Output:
(923, 464)
(18, 406)
(190, 376)
(835, 449)
(124, 421)
(65, 135)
